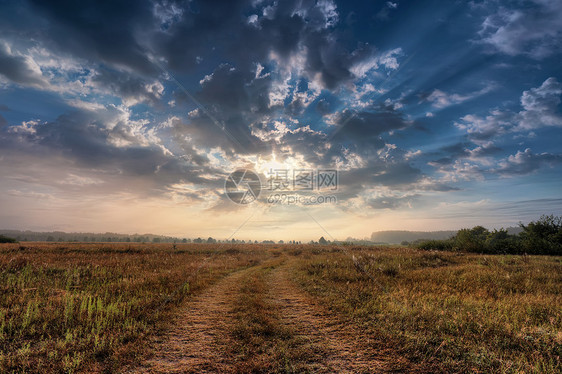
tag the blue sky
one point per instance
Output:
(130, 116)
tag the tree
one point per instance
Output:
(543, 236)
(322, 240)
(499, 241)
(5, 239)
(471, 240)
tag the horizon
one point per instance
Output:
(204, 238)
(276, 120)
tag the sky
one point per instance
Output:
(130, 116)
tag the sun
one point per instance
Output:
(264, 165)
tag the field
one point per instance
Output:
(102, 307)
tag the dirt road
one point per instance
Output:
(201, 339)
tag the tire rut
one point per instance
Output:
(345, 349)
(198, 340)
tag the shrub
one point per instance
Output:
(439, 245)
(499, 241)
(5, 239)
(471, 240)
(543, 236)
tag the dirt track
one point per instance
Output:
(345, 349)
(200, 340)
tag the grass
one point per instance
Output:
(86, 307)
(90, 307)
(261, 343)
(459, 312)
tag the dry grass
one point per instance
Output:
(90, 307)
(77, 307)
(261, 343)
(455, 311)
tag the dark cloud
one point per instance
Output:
(18, 70)
(181, 34)
(230, 101)
(323, 107)
(229, 90)
(105, 140)
(100, 32)
(130, 88)
(267, 71)
(383, 174)
(462, 150)
(364, 129)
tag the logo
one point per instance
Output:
(242, 186)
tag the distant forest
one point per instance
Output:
(400, 236)
(60, 236)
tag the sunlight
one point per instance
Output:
(264, 165)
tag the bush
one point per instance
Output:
(499, 241)
(439, 245)
(5, 239)
(471, 240)
(543, 236)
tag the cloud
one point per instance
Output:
(131, 89)
(540, 109)
(362, 129)
(20, 69)
(534, 30)
(526, 162)
(248, 106)
(109, 140)
(441, 100)
(458, 170)
(392, 202)
(384, 13)
(107, 33)
(387, 59)
(476, 164)
(540, 106)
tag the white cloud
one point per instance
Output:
(387, 59)
(535, 31)
(460, 170)
(440, 99)
(540, 109)
(541, 106)
(412, 154)
(526, 162)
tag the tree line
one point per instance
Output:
(540, 237)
